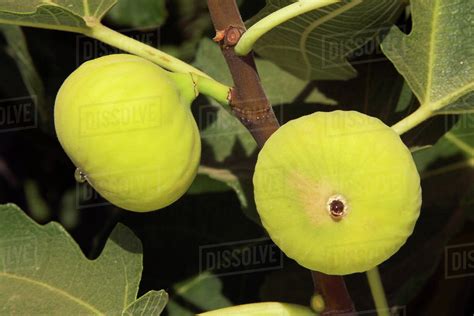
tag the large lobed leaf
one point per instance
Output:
(457, 143)
(43, 271)
(437, 57)
(315, 45)
(66, 15)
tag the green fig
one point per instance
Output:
(262, 309)
(338, 192)
(127, 126)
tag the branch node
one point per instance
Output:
(232, 36)
(220, 34)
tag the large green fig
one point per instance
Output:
(127, 126)
(338, 192)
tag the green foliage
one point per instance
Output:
(152, 303)
(457, 143)
(138, 13)
(315, 45)
(66, 15)
(450, 161)
(205, 184)
(38, 207)
(435, 58)
(435, 61)
(43, 269)
(203, 291)
(227, 177)
(192, 23)
(18, 50)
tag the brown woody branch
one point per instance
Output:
(333, 289)
(251, 106)
(248, 100)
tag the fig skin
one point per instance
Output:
(342, 155)
(262, 309)
(126, 124)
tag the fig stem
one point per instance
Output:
(419, 116)
(130, 45)
(192, 85)
(378, 293)
(263, 26)
(213, 89)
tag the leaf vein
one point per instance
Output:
(53, 289)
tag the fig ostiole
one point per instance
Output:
(338, 192)
(263, 309)
(127, 126)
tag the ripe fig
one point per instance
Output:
(127, 126)
(338, 192)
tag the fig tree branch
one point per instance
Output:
(251, 106)
(248, 100)
(332, 288)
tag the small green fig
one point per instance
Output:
(127, 126)
(338, 192)
(262, 309)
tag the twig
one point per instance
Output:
(274, 19)
(419, 116)
(251, 106)
(378, 293)
(128, 44)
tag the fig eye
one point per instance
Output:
(337, 207)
